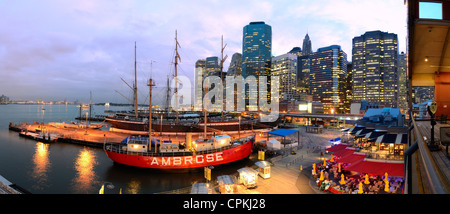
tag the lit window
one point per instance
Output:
(430, 10)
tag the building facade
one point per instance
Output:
(328, 74)
(375, 76)
(198, 89)
(234, 70)
(256, 55)
(402, 101)
(285, 67)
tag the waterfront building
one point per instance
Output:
(327, 78)
(256, 56)
(198, 89)
(285, 67)
(4, 99)
(375, 75)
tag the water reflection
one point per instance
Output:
(84, 181)
(133, 187)
(41, 165)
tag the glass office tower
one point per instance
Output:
(375, 75)
(328, 73)
(256, 56)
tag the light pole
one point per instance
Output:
(86, 123)
(43, 116)
(239, 130)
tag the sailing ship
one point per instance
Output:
(134, 122)
(138, 152)
(145, 152)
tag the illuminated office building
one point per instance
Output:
(256, 55)
(198, 89)
(375, 76)
(328, 73)
(285, 67)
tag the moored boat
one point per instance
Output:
(136, 151)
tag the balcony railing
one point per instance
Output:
(422, 173)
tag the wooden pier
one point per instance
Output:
(80, 136)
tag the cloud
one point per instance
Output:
(62, 49)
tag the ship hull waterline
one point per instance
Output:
(184, 162)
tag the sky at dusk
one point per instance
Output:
(55, 50)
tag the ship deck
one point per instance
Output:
(155, 152)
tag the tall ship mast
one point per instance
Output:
(187, 122)
(177, 57)
(139, 152)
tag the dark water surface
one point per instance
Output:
(61, 168)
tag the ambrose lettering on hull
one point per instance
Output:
(187, 160)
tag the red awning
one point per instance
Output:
(343, 152)
(336, 147)
(378, 168)
(351, 159)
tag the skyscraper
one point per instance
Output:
(256, 55)
(198, 89)
(235, 69)
(303, 67)
(307, 49)
(402, 101)
(375, 76)
(285, 67)
(328, 74)
(212, 67)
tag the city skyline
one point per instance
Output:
(57, 51)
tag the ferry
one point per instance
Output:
(137, 151)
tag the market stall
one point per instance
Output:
(227, 184)
(248, 177)
(264, 169)
(202, 188)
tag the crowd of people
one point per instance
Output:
(329, 176)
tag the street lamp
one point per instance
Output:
(43, 116)
(239, 130)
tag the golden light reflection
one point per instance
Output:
(41, 165)
(85, 174)
(134, 187)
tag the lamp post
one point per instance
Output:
(239, 130)
(43, 116)
(43, 119)
(85, 133)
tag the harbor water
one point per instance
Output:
(61, 168)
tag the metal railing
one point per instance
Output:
(430, 179)
(118, 148)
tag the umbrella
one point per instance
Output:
(331, 159)
(360, 191)
(321, 176)
(366, 181)
(324, 162)
(342, 182)
(386, 186)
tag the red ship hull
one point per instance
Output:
(184, 162)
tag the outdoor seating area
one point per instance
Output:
(376, 144)
(349, 172)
